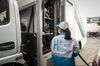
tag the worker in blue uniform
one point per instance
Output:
(64, 47)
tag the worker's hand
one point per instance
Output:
(76, 50)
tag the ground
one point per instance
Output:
(89, 51)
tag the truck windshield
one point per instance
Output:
(4, 12)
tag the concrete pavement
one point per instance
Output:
(89, 51)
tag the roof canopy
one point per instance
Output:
(25, 3)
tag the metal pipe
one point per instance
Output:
(84, 60)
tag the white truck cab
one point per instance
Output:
(10, 34)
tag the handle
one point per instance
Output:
(7, 46)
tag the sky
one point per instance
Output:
(88, 8)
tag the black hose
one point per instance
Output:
(84, 60)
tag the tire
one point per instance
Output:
(12, 64)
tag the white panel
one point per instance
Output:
(69, 17)
(25, 3)
(73, 26)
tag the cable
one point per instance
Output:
(84, 60)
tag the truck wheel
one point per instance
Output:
(80, 45)
(12, 65)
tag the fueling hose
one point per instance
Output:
(84, 60)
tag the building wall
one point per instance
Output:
(92, 27)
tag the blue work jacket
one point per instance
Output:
(63, 51)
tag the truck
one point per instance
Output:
(28, 26)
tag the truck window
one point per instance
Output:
(4, 12)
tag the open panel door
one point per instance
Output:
(8, 44)
(69, 16)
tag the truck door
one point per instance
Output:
(7, 28)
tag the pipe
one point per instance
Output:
(84, 60)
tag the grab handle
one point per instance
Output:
(7, 46)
